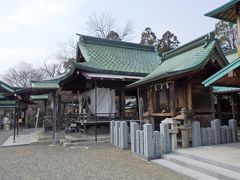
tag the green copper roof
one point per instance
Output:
(52, 83)
(231, 55)
(116, 57)
(6, 87)
(7, 104)
(39, 97)
(223, 89)
(1, 96)
(189, 57)
(226, 12)
(235, 64)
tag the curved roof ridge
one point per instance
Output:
(188, 46)
(115, 43)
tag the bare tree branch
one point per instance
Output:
(101, 25)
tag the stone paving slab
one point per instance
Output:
(223, 154)
(19, 141)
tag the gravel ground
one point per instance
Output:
(100, 161)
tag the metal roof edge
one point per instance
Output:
(81, 66)
(223, 7)
(221, 72)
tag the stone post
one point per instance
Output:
(134, 127)
(112, 124)
(232, 123)
(223, 135)
(228, 134)
(156, 144)
(174, 132)
(204, 137)
(164, 133)
(148, 141)
(123, 135)
(141, 142)
(215, 125)
(196, 134)
(210, 136)
(116, 133)
(138, 141)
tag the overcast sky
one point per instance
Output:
(31, 30)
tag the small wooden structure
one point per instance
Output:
(177, 82)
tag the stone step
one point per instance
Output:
(184, 170)
(206, 168)
(209, 161)
(72, 139)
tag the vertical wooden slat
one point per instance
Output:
(219, 108)
(59, 120)
(139, 108)
(122, 103)
(233, 108)
(189, 95)
(172, 97)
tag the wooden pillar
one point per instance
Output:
(54, 109)
(172, 98)
(122, 103)
(45, 107)
(233, 108)
(189, 95)
(238, 29)
(139, 108)
(219, 108)
(96, 102)
(152, 100)
(59, 120)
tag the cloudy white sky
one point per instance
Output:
(31, 30)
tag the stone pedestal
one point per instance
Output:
(184, 136)
(215, 125)
(148, 141)
(134, 127)
(232, 123)
(164, 133)
(196, 134)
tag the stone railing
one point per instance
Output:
(216, 134)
